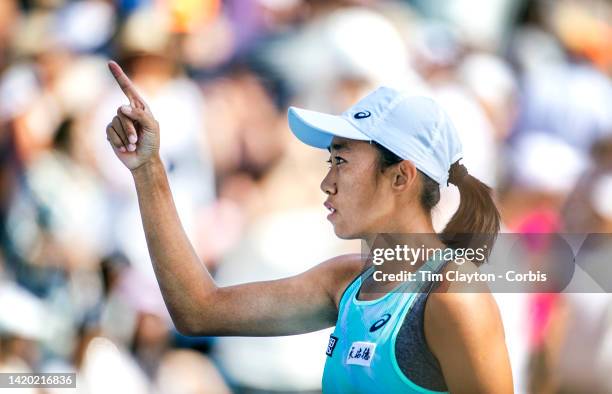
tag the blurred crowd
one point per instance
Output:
(527, 83)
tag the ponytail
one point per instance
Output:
(477, 219)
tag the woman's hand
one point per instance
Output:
(134, 132)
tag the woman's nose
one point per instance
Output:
(328, 185)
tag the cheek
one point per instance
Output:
(361, 215)
(362, 197)
(358, 192)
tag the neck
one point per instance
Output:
(417, 226)
(408, 231)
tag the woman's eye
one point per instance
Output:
(336, 160)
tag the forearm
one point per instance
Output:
(182, 278)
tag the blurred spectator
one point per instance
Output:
(188, 372)
(576, 353)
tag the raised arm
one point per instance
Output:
(298, 304)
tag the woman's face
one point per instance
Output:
(360, 196)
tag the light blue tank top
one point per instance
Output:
(361, 350)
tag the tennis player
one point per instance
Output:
(390, 154)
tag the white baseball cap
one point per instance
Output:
(414, 128)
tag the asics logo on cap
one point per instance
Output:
(362, 115)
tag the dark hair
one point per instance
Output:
(477, 216)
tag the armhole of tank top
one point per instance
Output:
(393, 338)
(351, 285)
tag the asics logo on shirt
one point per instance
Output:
(362, 115)
(380, 322)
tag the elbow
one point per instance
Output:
(186, 328)
(193, 324)
(195, 319)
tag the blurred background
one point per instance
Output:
(527, 83)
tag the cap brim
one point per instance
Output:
(318, 129)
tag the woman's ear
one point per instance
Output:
(404, 175)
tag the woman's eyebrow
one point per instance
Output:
(338, 146)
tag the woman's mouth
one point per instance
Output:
(331, 209)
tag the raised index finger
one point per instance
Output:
(126, 85)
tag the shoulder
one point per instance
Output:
(455, 311)
(459, 302)
(338, 272)
(464, 330)
(461, 313)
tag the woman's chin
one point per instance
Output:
(343, 233)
